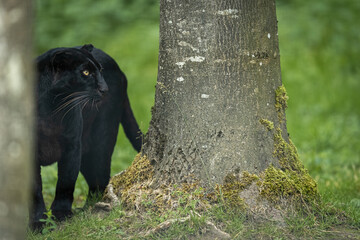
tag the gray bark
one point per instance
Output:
(219, 67)
(16, 125)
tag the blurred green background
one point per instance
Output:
(320, 53)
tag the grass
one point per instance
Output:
(324, 222)
(319, 59)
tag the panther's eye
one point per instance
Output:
(86, 72)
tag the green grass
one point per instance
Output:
(320, 53)
(324, 222)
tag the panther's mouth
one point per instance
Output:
(97, 99)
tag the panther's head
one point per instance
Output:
(77, 71)
(76, 78)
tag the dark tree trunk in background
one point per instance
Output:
(16, 107)
(219, 67)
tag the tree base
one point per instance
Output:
(268, 195)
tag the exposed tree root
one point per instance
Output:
(215, 232)
(165, 225)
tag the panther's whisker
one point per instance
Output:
(73, 94)
(92, 104)
(58, 95)
(85, 104)
(96, 107)
(69, 102)
(75, 105)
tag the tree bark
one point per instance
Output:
(16, 111)
(219, 68)
(218, 125)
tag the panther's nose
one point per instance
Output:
(102, 93)
(104, 90)
(103, 87)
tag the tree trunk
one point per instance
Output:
(218, 124)
(16, 124)
(219, 68)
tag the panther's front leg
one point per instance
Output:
(37, 210)
(68, 170)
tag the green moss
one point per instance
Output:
(247, 178)
(292, 180)
(134, 187)
(281, 99)
(286, 153)
(139, 172)
(268, 124)
(230, 191)
(278, 184)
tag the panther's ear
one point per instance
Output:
(88, 47)
(61, 59)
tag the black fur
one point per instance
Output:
(81, 100)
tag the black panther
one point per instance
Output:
(81, 100)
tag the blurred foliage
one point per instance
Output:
(63, 22)
(320, 53)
